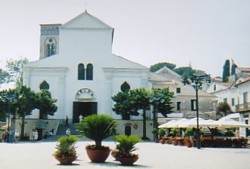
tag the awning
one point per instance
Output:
(5, 127)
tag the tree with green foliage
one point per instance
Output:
(26, 99)
(160, 99)
(185, 71)
(6, 104)
(45, 103)
(186, 80)
(124, 105)
(3, 76)
(223, 109)
(128, 103)
(226, 71)
(158, 66)
(21, 104)
(140, 97)
(22, 100)
(14, 69)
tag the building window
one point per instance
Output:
(214, 87)
(81, 72)
(193, 104)
(178, 106)
(245, 96)
(125, 87)
(44, 85)
(89, 72)
(50, 47)
(225, 100)
(232, 102)
(178, 90)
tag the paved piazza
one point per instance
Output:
(152, 155)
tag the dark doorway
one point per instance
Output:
(128, 130)
(83, 108)
(247, 129)
(40, 134)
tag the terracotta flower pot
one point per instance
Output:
(66, 160)
(127, 160)
(98, 156)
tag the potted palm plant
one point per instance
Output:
(97, 127)
(125, 148)
(66, 152)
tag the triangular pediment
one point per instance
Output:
(85, 20)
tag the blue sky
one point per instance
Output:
(200, 33)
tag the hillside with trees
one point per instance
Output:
(185, 71)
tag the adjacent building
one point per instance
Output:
(236, 94)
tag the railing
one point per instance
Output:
(243, 107)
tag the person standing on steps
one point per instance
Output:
(80, 118)
(68, 132)
(67, 122)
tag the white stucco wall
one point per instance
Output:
(88, 41)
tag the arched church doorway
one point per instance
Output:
(84, 105)
(83, 108)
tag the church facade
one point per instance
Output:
(78, 67)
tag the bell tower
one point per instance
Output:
(49, 40)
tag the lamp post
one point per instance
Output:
(197, 80)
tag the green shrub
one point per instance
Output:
(161, 132)
(175, 131)
(97, 127)
(126, 144)
(229, 133)
(66, 146)
(189, 132)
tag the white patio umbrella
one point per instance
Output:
(183, 123)
(202, 123)
(5, 127)
(168, 124)
(230, 123)
(174, 124)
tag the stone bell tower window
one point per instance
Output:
(50, 47)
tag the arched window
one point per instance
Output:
(81, 72)
(89, 72)
(44, 85)
(50, 47)
(125, 87)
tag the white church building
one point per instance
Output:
(78, 67)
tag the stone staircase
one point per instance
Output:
(61, 131)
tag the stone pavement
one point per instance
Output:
(152, 155)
